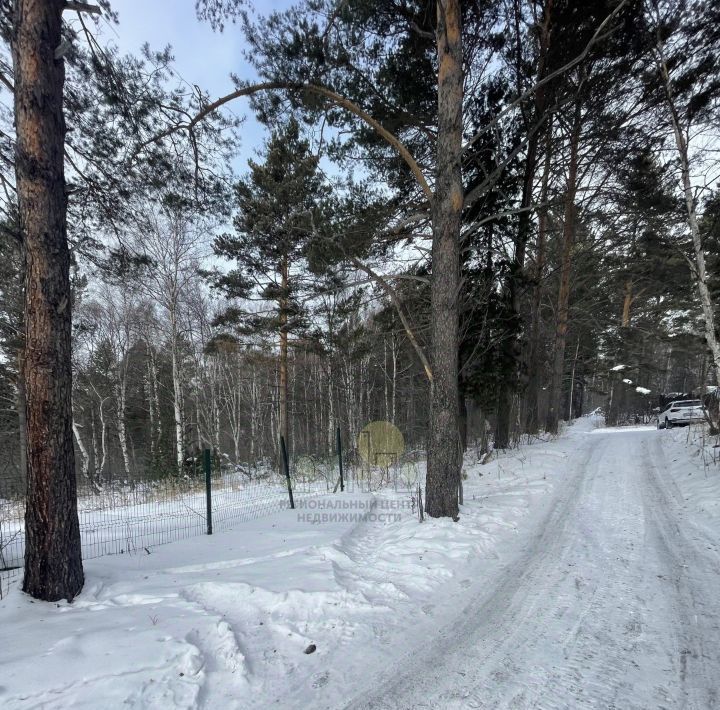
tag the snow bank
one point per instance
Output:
(694, 468)
(588, 422)
(228, 620)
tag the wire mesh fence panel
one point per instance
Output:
(128, 517)
(402, 474)
(124, 517)
(249, 492)
(12, 536)
(138, 516)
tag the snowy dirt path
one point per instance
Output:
(583, 573)
(612, 602)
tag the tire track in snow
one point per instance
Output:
(584, 616)
(695, 582)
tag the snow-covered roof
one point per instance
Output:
(642, 390)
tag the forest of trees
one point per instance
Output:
(473, 219)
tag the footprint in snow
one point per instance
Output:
(321, 680)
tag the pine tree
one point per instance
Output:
(81, 118)
(53, 564)
(280, 208)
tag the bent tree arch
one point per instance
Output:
(446, 204)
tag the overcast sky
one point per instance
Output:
(203, 57)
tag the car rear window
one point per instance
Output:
(688, 403)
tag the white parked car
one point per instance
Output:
(684, 411)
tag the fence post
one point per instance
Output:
(208, 489)
(339, 453)
(287, 469)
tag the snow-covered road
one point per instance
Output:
(584, 573)
(611, 600)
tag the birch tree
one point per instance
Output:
(172, 246)
(684, 51)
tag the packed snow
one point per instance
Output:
(582, 573)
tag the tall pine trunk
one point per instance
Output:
(512, 346)
(53, 563)
(563, 304)
(444, 457)
(532, 418)
(21, 404)
(283, 364)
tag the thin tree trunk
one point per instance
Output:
(394, 377)
(253, 412)
(234, 408)
(177, 398)
(120, 397)
(627, 302)
(463, 422)
(216, 410)
(201, 440)
(93, 433)
(331, 412)
(155, 397)
(444, 457)
(231, 397)
(103, 437)
(85, 464)
(708, 308)
(151, 411)
(292, 396)
(236, 445)
(53, 562)
(581, 404)
(511, 347)
(572, 381)
(365, 377)
(385, 381)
